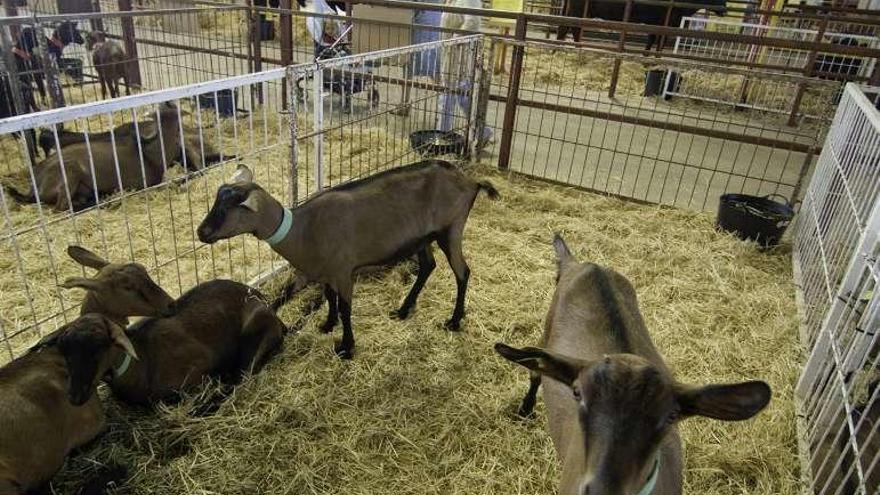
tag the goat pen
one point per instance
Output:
(420, 410)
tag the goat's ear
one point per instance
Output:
(242, 175)
(251, 202)
(729, 402)
(82, 283)
(119, 338)
(86, 258)
(563, 254)
(561, 368)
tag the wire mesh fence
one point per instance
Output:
(836, 250)
(361, 114)
(659, 149)
(130, 178)
(57, 60)
(751, 92)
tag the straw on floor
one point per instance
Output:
(424, 411)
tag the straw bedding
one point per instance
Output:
(421, 411)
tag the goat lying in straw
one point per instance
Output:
(374, 221)
(612, 403)
(217, 328)
(49, 404)
(88, 167)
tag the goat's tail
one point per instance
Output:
(489, 188)
(19, 197)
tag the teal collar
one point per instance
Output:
(283, 229)
(122, 368)
(652, 479)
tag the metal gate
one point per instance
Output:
(836, 250)
(360, 114)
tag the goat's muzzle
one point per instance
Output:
(205, 234)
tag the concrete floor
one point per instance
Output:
(656, 164)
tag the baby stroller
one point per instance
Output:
(344, 81)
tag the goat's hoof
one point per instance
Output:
(400, 314)
(344, 352)
(526, 412)
(452, 325)
(327, 326)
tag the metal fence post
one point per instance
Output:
(318, 110)
(294, 144)
(285, 21)
(133, 66)
(516, 65)
(621, 45)
(808, 71)
(97, 24)
(474, 124)
(257, 41)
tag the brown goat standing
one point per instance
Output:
(109, 60)
(369, 222)
(612, 404)
(127, 152)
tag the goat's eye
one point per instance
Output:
(577, 394)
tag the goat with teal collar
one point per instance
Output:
(612, 404)
(374, 221)
(218, 328)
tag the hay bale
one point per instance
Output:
(424, 411)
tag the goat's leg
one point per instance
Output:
(261, 340)
(426, 266)
(103, 82)
(451, 246)
(345, 348)
(528, 403)
(332, 309)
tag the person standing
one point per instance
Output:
(452, 74)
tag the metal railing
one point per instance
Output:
(836, 248)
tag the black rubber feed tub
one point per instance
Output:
(754, 218)
(434, 143)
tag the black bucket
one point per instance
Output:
(654, 82)
(224, 101)
(434, 143)
(754, 218)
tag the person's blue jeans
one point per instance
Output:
(462, 99)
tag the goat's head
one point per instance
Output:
(238, 209)
(166, 115)
(68, 33)
(95, 38)
(91, 345)
(126, 288)
(626, 407)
